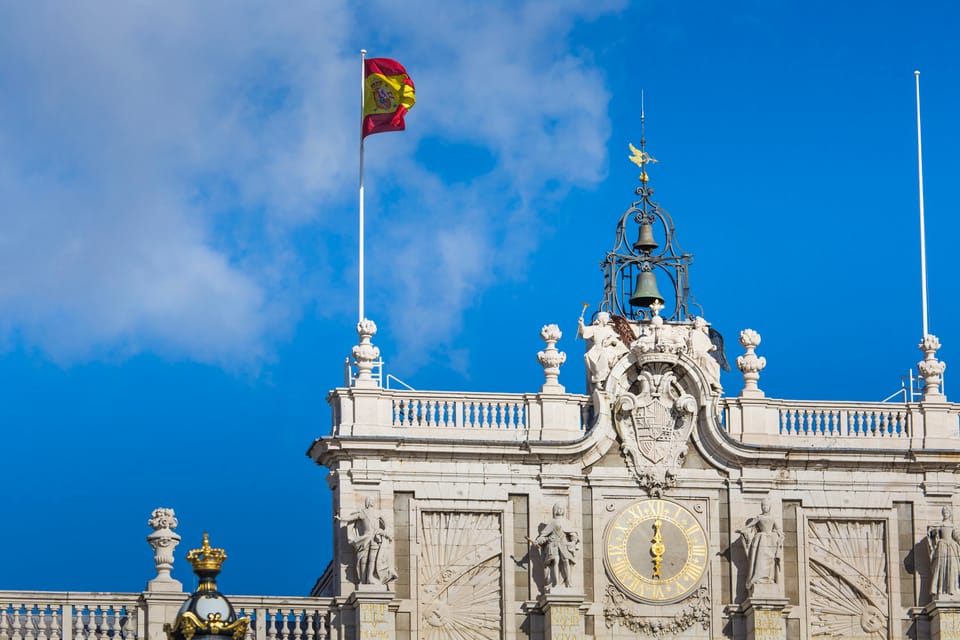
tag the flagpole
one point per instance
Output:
(363, 93)
(923, 241)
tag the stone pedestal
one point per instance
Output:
(159, 608)
(764, 618)
(944, 617)
(374, 613)
(562, 619)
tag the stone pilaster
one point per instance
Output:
(765, 618)
(562, 617)
(375, 613)
(944, 617)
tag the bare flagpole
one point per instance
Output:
(923, 240)
(363, 95)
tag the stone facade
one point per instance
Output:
(652, 507)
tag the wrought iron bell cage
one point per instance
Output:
(629, 258)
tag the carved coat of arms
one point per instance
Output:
(654, 426)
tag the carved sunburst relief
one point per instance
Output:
(848, 586)
(459, 571)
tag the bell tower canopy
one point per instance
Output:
(645, 252)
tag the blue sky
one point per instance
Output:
(178, 207)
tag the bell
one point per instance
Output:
(646, 291)
(645, 240)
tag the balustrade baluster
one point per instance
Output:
(111, 625)
(322, 626)
(17, 623)
(308, 622)
(29, 626)
(248, 634)
(39, 624)
(95, 628)
(498, 420)
(299, 618)
(271, 625)
(283, 624)
(55, 622)
(4, 622)
(128, 623)
(78, 630)
(487, 408)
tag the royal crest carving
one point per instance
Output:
(654, 426)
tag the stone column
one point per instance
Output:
(765, 618)
(562, 618)
(375, 613)
(944, 614)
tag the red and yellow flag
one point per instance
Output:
(389, 94)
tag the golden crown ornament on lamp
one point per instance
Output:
(207, 614)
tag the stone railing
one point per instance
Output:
(472, 416)
(61, 615)
(819, 424)
(844, 420)
(284, 618)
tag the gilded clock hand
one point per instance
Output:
(657, 549)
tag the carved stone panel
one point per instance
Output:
(459, 574)
(848, 580)
(654, 425)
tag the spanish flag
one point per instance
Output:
(388, 95)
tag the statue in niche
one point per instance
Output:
(701, 348)
(944, 544)
(763, 542)
(604, 345)
(367, 534)
(559, 544)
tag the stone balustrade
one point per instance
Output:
(804, 424)
(62, 615)
(473, 416)
(844, 419)
(71, 615)
(284, 618)
(531, 417)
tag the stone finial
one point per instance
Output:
(365, 354)
(930, 368)
(551, 359)
(164, 541)
(750, 364)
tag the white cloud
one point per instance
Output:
(157, 162)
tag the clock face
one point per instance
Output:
(656, 551)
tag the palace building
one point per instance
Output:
(656, 505)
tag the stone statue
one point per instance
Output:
(370, 541)
(559, 543)
(763, 542)
(700, 347)
(604, 345)
(944, 544)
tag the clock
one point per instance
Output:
(656, 551)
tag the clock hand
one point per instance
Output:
(657, 548)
